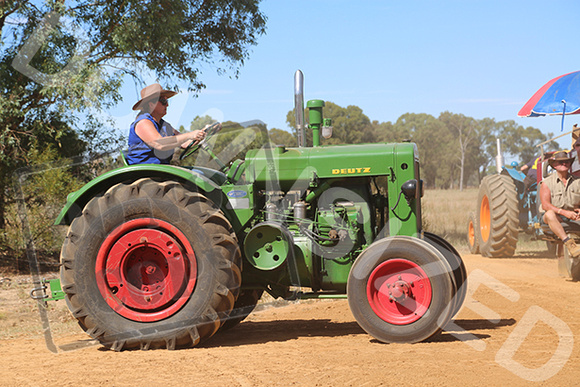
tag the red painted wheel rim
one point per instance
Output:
(146, 269)
(399, 291)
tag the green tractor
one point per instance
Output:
(163, 256)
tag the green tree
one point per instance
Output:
(385, 132)
(200, 122)
(45, 185)
(232, 142)
(484, 157)
(521, 143)
(62, 63)
(350, 125)
(282, 137)
(465, 132)
(516, 142)
(432, 141)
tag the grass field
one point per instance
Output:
(446, 212)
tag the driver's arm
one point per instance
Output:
(147, 132)
(546, 198)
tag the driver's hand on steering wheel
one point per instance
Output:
(195, 137)
(198, 135)
(215, 127)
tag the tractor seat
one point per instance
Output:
(570, 226)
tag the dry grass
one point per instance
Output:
(19, 314)
(446, 212)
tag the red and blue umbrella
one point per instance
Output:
(560, 96)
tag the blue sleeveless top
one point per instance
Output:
(141, 153)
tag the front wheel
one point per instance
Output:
(471, 236)
(400, 290)
(150, 265)
(455, 263)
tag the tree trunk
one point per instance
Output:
(3, 186)
(461, 171)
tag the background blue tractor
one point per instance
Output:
(506, 206)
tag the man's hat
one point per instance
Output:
(560, 156)
(153, 92)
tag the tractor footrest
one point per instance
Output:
(40, 292)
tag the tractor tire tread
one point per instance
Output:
(504, 216)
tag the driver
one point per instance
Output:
(151, 139)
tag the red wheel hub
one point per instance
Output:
(399, 291)
(146, 269)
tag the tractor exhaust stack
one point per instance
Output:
(299, 107)
(498, 158)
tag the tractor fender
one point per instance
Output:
(514, 174)
(518, 180)
(77, 200)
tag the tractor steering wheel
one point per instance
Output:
(210, 131)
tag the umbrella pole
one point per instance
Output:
(563, 114)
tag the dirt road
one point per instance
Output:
(517, 327)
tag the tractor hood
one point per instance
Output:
(336, 161)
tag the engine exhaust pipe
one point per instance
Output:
(498, 158)
(299, 107)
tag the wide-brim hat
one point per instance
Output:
(560, 156)
(153, 92)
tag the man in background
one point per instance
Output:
(557, 196)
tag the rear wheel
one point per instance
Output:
(149, 265)
(575, 269)
(244, 305)
(400, 290)
(552, 249)
(572, 265)
(471, 238)
(497, 217)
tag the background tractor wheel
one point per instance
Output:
(571, 265)
(400, 290)
(552, 249)
(150, 265)
(471, 238)
(575, 269)
(497, 217)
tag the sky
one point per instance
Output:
(480, 58)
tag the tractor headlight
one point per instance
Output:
(409, 189)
